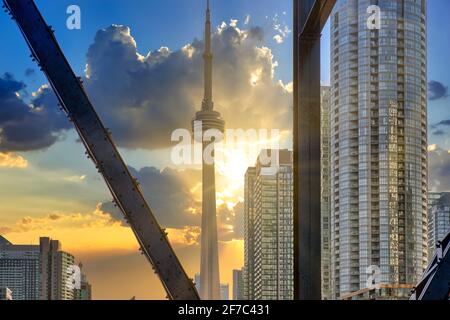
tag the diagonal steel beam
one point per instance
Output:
(317, 16)
(435, 284)
(101, 149)
(310, 17)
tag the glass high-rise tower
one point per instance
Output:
(378, 147)
(325, 205)
(269, 236)
(438, 220)
(36, 272)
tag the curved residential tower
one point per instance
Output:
(378, 148)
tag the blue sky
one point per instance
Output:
(154, 23)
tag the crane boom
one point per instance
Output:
(101, 149)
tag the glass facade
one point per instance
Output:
(325, 205)
(249, 234)
(438, 220)
(20, 271)
(378, 144)
(271, 193)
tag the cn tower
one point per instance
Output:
(206, 120)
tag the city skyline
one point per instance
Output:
(55, 191)
(41, 272)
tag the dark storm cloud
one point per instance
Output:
(115, 212)
(439, 133)
(443, 123)
(25, 127)
(169, 194)
(437, 90)
(29, 72)
(231, 218)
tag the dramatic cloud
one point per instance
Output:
(25, 127)
(175, 199)
(186, 236)
(97, 219)
(170, 195)
(30, 72)
(439, 133)
(11, 160)
(437, 90)
(231, 222)
(278, 39)
(438, 169)
(281, 28)
(444, 123)
(144, 98)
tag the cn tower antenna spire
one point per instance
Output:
(208, 104)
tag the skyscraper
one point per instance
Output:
(208, 120)
(238, 285)
(57, 267)
(84, 292)
(20, 270)
(36, 272)
(249, 234)
(325, 205)
(269, 264)
(224, 291)
(378, 146)
(433, 198)
(438, 220)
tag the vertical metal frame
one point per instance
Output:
(310, 17)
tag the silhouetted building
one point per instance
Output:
(224, 291)
(238, 285)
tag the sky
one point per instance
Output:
(142, 67)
